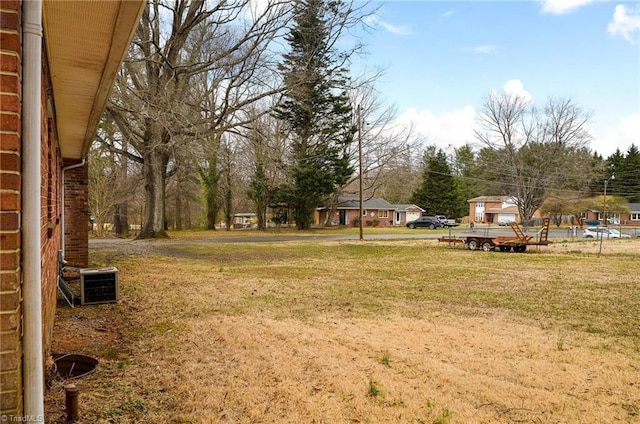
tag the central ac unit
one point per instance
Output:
(98, 285)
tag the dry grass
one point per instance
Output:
(294, 333)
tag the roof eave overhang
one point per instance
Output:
(85, 43)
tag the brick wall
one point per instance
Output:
(352, 216)
(10, 234)
(50, 212)
(76, 203)
(10, 210)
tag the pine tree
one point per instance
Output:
(437, 193)
(259, 192)
(625, 170)
(467, 178)
(316, 109)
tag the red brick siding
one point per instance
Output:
(10, 227)
(353, 214)
(51, 232)
(76, 209)
(10, 211)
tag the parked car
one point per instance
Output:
(446, 222)
(605, 232)
(425, 222)
(504, 222)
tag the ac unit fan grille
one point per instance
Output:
(99, 285)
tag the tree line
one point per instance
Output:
(559, 180)
(224, 107)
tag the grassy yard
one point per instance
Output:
(406, 331)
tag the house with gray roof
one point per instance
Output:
(376, 211)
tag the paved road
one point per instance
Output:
(554, 233)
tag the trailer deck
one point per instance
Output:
(517, 243)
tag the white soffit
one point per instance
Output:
(86, 42)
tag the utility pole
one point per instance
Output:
(360, 171)
(604, 212)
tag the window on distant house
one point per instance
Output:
(364, 212)
(479, 204)
(635, 216)
(383, 214)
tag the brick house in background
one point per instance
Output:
(375, 209)
(491, 209)
(631, 218)
(58, 61)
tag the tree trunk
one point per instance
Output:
(154, 172)
(212, 207)
(261, 214)
(228, 201)
(120, 221)
(210, 177)
(333, 208)
(178, 222)
(188, 209)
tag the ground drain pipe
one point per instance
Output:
(32, 362)
(71, 402)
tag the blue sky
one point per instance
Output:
(442, 58)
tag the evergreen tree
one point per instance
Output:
(467, 178)
(259, 192)
(210, 175)
(598, 166)
(437, 193)
(625, 169)
(316, 109)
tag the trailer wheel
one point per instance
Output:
(505, 248)
(487, 246)
(520, 249)
(473, 244)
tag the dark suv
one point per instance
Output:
(425, 221)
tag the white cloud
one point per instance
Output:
(376, 22)
(448, 13)
(560, 7)
(625, 22)
(456, 128)
(516, 88)
(485, 49)
(621, 137)
(447, 129)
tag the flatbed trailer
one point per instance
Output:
(517, 243)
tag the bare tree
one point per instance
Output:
(109, 186)
(157, 101)
(184, 188)
(228, 95)
(265, 150)
(382, 140)
(534, 151)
